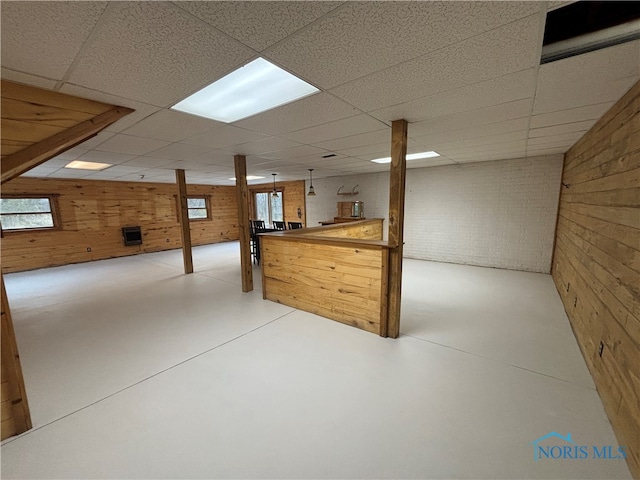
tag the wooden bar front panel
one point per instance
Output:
(337, 271)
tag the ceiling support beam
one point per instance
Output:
(185, 227)
(397, 178)
(30, 157)
(242, 196)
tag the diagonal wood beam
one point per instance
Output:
(20, 162)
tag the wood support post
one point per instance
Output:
(15, 408)
(183, 215)
(397, 178)
(242, 196)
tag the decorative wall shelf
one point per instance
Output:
(352, 192)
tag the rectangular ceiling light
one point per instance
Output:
(249, 177)
(257, 87)
(412, 156)
(80, 165)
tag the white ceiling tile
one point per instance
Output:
(481, 116)
(39, 171)
(429, 162)
(213, 157)
(482, 157)
(560, 129)
(295, 153)
(259, 24)
(588, 79)
(363, 37)
(265, 145)
(563, 139)
(148, 162)
(546, 151)
(478, 131)
(295, 116)
(27, 79)
(383, 148)
(171, 125)
(43, 38)
(170, 53)
(502, 51)
(590, 112)
(354, 141)
(340, 128)
(456, 149)
(510, 88)
(93, 142)
(131, 145)
(69, 173)
(142, 110)
(224, 136)
(181, 151)
(487, 140)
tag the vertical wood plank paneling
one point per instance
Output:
(15, 408)
(397, 178)
(596, 262)
(93, 212)
(339, 277)
(183, 217)
(242, 199)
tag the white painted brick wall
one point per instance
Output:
(497, 214)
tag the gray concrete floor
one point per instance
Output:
(134, 370)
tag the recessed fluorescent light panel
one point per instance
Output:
(412, 156)
(257, 87)
(80, 165)
(249, 177)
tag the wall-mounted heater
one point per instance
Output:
(131, 236)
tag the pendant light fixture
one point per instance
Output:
(311, 193)
(275, 192)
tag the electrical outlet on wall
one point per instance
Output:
(88, 249)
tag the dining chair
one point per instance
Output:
(294, 225)
(279, 225)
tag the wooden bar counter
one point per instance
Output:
(336, 271)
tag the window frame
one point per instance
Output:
(207, 206)
(55, 213)
(254, 207)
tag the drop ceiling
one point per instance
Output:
(466, 75)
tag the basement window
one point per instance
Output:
(27, 213)
(198, 208)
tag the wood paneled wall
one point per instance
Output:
(92, 214)
(294, 199)
(15, 409)
(596, 265)
(343, 278)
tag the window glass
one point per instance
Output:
(268, 207)
(197, 208)
(26, 213)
